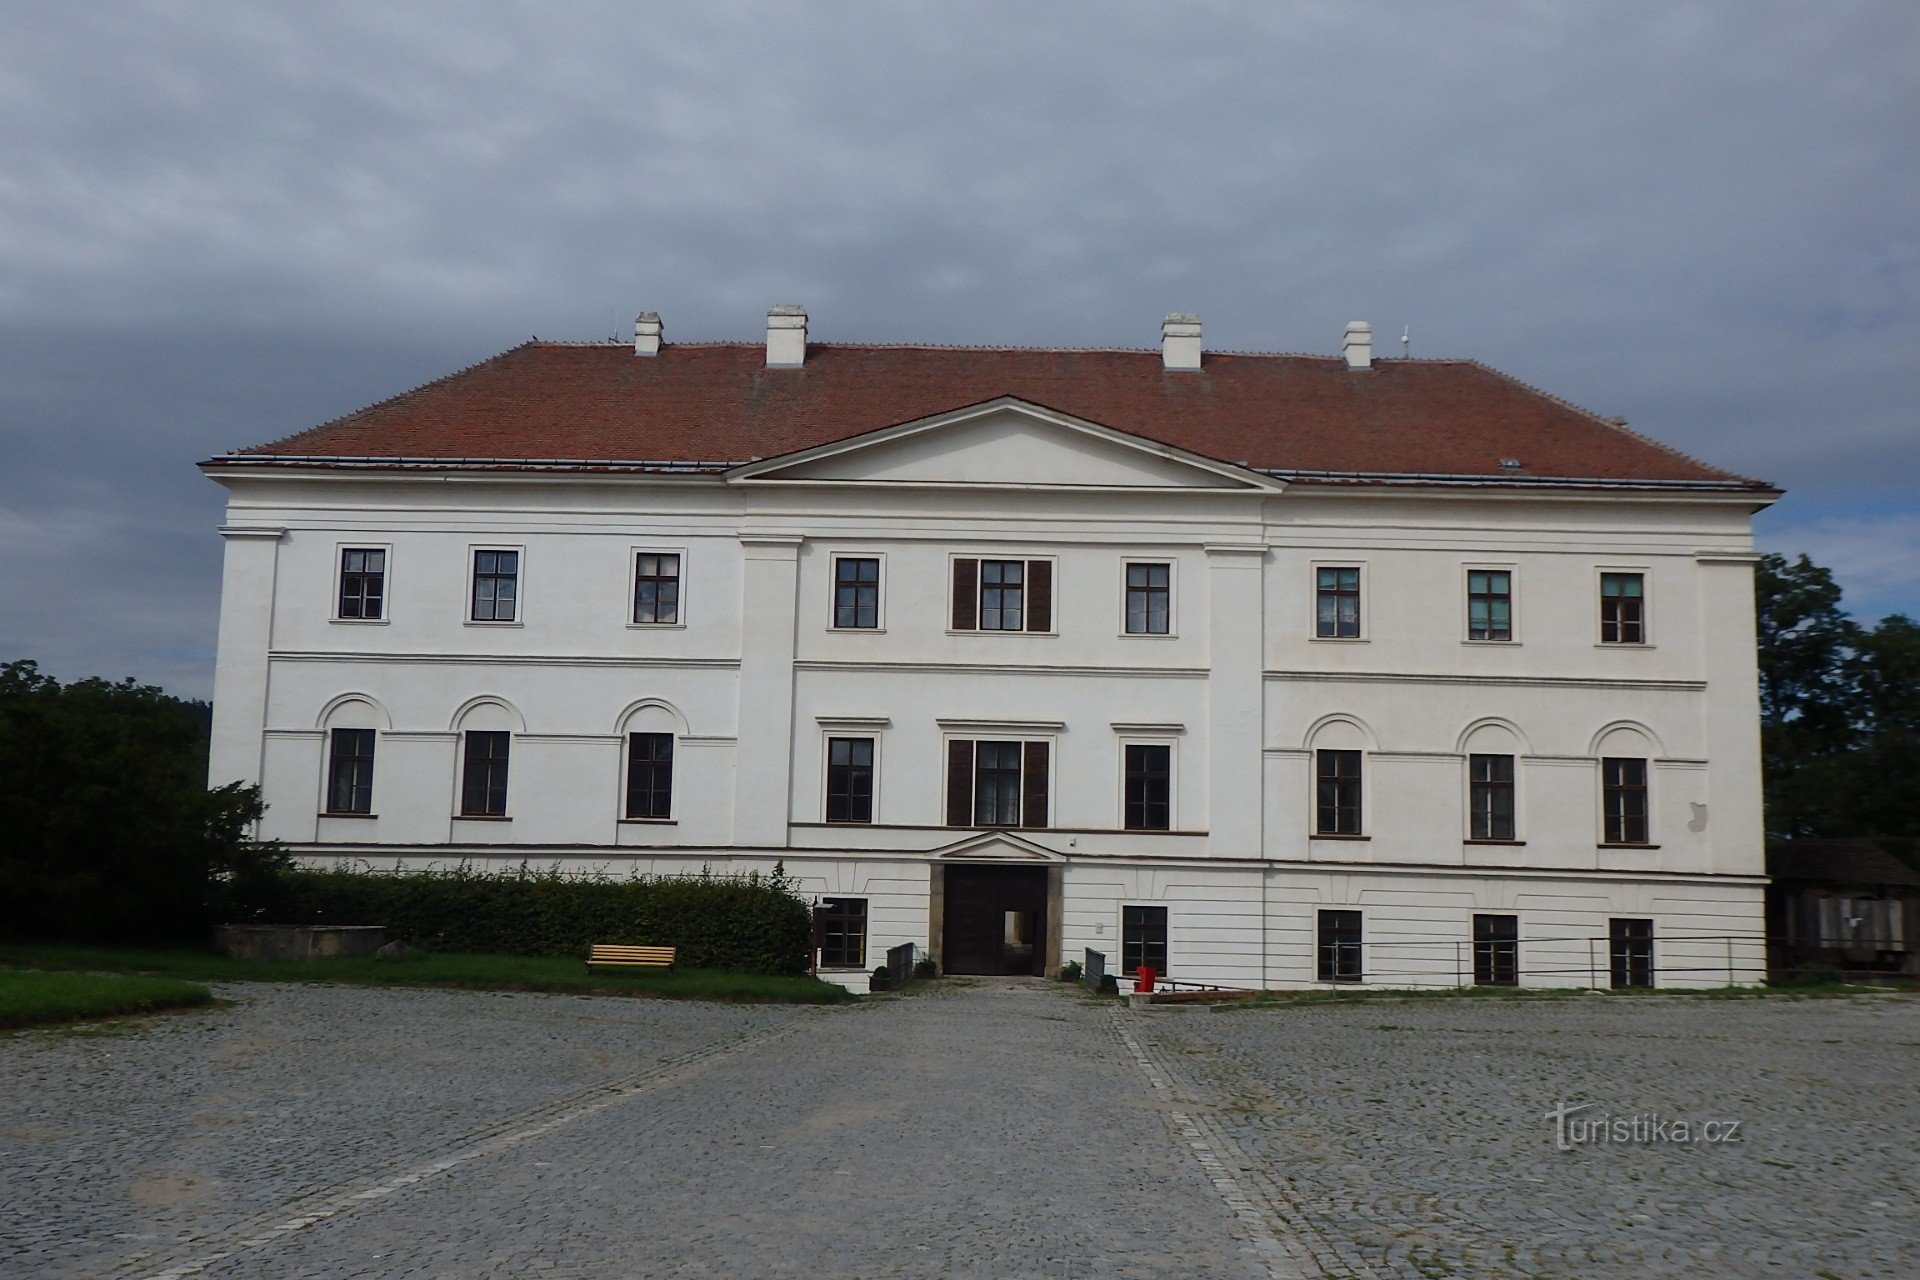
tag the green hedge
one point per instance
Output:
(752, 923)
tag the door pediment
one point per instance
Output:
(1005, 443)
(997, 847)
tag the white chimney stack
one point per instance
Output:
(1359, 345)
(1180, 341)
(786, 337)
(646, 333)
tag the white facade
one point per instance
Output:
(753, 678)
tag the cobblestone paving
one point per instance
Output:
(143, 1136)
(988, 1130)
(1411, 1139)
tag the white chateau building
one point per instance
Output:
(1266, 670)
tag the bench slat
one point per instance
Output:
(617, 954)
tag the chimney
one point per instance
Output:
(1180, 341)
(1359, 345)
(646, 333)
(786, 337)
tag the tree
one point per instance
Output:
(110, 831)
(1839, 709)
(1885, 674)
(1807, 696)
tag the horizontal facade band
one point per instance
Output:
(503, 852)
(1527, 682)
(499, 659)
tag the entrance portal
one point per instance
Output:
(995, 920)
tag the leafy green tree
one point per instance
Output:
(107, 828)
(1808, 696)
(1885, 674)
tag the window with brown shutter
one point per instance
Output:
(1039, 595)
(960, 782)
(966, 594)
(1033, 787)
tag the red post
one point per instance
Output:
(1147, 975)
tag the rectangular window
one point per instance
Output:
(856, 592)
(1143, 939)
(649, 775)
(1496, 951)
(483, 790)
(842, 925)
(1149, 787)
(496, 586)
(1002, 595)
(849, 779)
(363, 583)
(1489, 604)
(1623, 785)
(996, 784)
(1492, 796)
(1337, 807)
(1339, 946)
(656, 588)
(350, 772)
(1149, 599)
(1337, 604)
(1623, 615)
(1631, 952)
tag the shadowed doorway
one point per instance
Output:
(995, 920)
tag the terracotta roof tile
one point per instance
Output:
(713, 403)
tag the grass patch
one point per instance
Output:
(33, 998)
(471, 972)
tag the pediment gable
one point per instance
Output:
(1005, 443)
(996, 846)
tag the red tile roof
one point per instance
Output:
(716, 404)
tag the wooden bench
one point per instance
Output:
(612, 955)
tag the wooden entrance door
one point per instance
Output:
(995, 920)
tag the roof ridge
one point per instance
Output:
(622, 344)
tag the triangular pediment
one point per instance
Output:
(996, 846)
(1005, 443)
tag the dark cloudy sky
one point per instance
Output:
(220, 223)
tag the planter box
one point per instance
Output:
(300, 942)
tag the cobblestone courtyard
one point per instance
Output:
(984, 1130)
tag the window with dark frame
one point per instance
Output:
(997, 784)
(849, 779)
(496, 586)
(1496, 951)
(1630, 948)
(1002, 595)
(1339, 946)
(1149, 786)
(1489, 604)
(1623, 617)
(649, 775)
(1491, 796)
(363, 584)
(1623, 786)
(483, 790)
(1337, 793)
(1143, 939)
(350, 772)
(856, 592)
(1149, 599)
(843, 933)
(656, 588)
(1337, 603)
